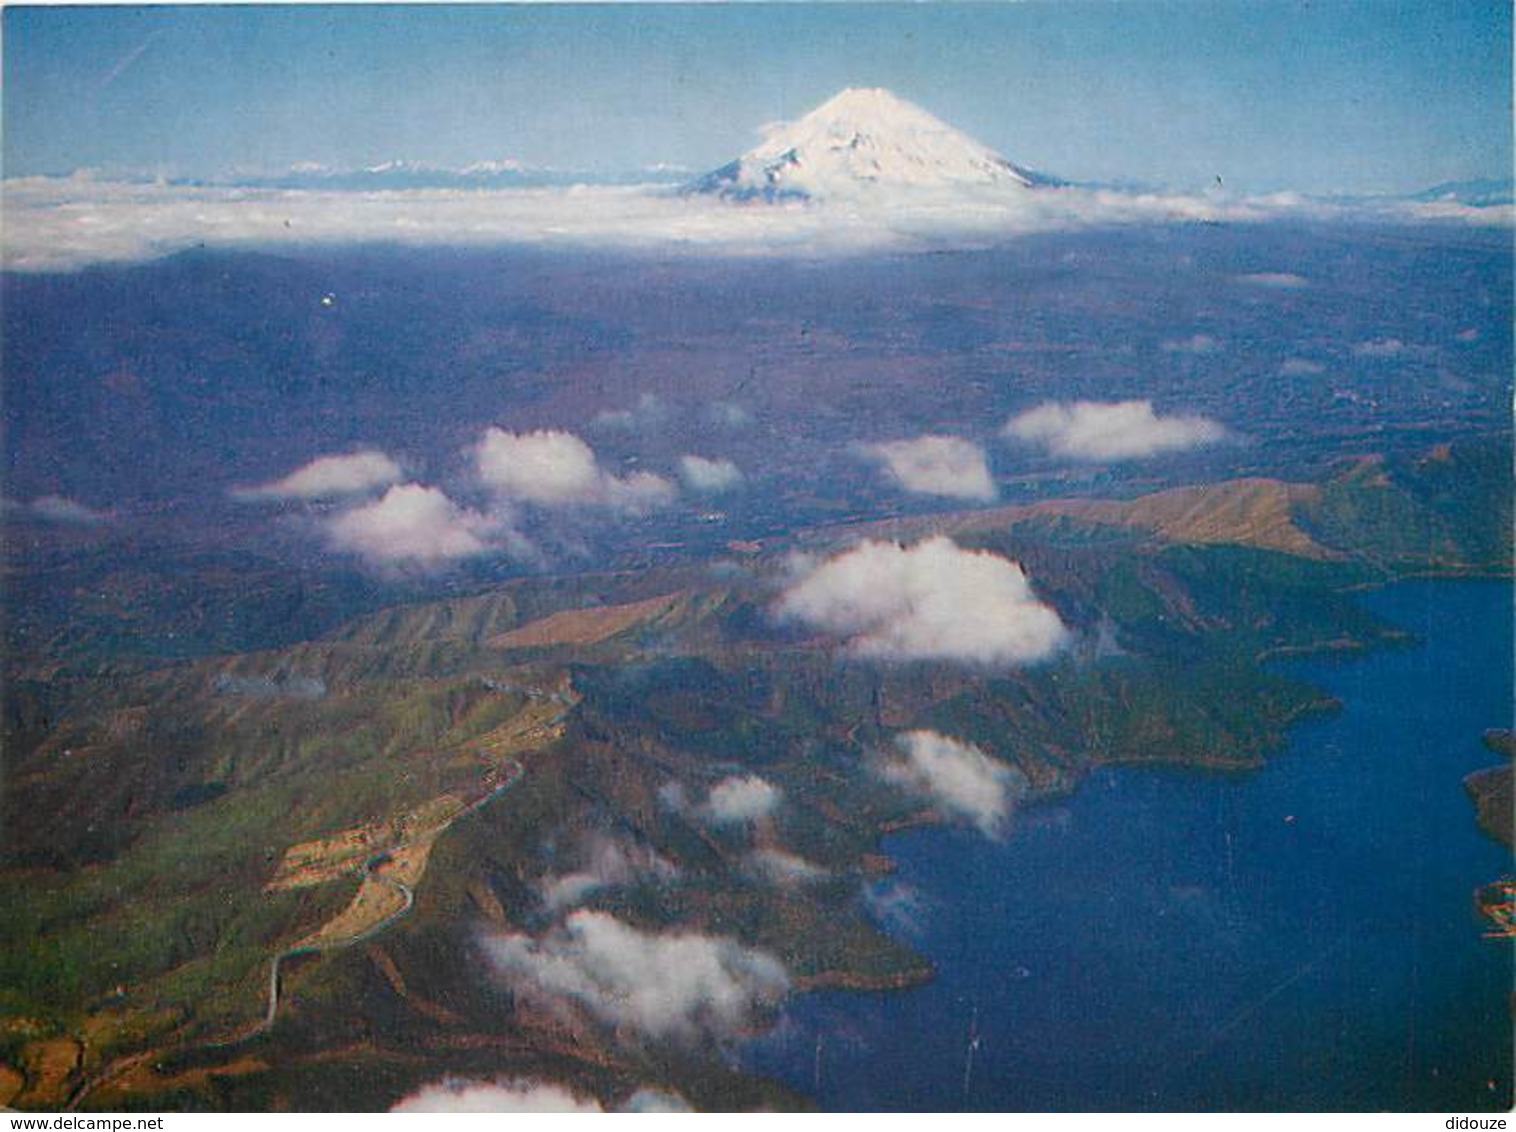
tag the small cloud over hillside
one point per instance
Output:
(959, 778)
(458, 1096)
(551, 468)
(680, 985)
(946, 466)
(1119, 430)
(329, 477)
(710, 476)
(931, 601)
(741, 799)
(411, 525)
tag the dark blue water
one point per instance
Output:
(1302, 937)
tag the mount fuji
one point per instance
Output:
(863, 142)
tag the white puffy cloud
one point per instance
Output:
(741, 799)
(329, 477)
(1110, 430)
(936, 465)
(548, 467)
(958, 777)
(551, 468)
(932, 601)
(607, 863)
(711, 476)
(1300, 367)
(410, 525)
(679, 985)
(784, 869)
(639, 492)
(58, 223)
(455, 1095)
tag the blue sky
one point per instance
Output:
(1320, 97)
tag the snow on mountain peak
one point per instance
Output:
(861, 141)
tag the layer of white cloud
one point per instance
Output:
(741, 799)
(58, 223)
(958, 778)
(329, 477)
(709, 476)
(932, 601)
(936, 465)
(65, 511)
(410, 525)
(670, 985)
(1280, 280)
(1110, 430)
(454, 1095)
(551, 468)
(1300, 367)
(1194, 344)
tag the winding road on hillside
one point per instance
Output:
(371, 871)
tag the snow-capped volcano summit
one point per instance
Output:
(859, 142)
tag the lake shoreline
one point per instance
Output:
(923, 854)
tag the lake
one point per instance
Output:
(1299, 937)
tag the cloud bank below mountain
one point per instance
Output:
(64, 223)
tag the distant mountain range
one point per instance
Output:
(401, 174)
(1485, 193)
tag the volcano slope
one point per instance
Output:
(687, 770)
